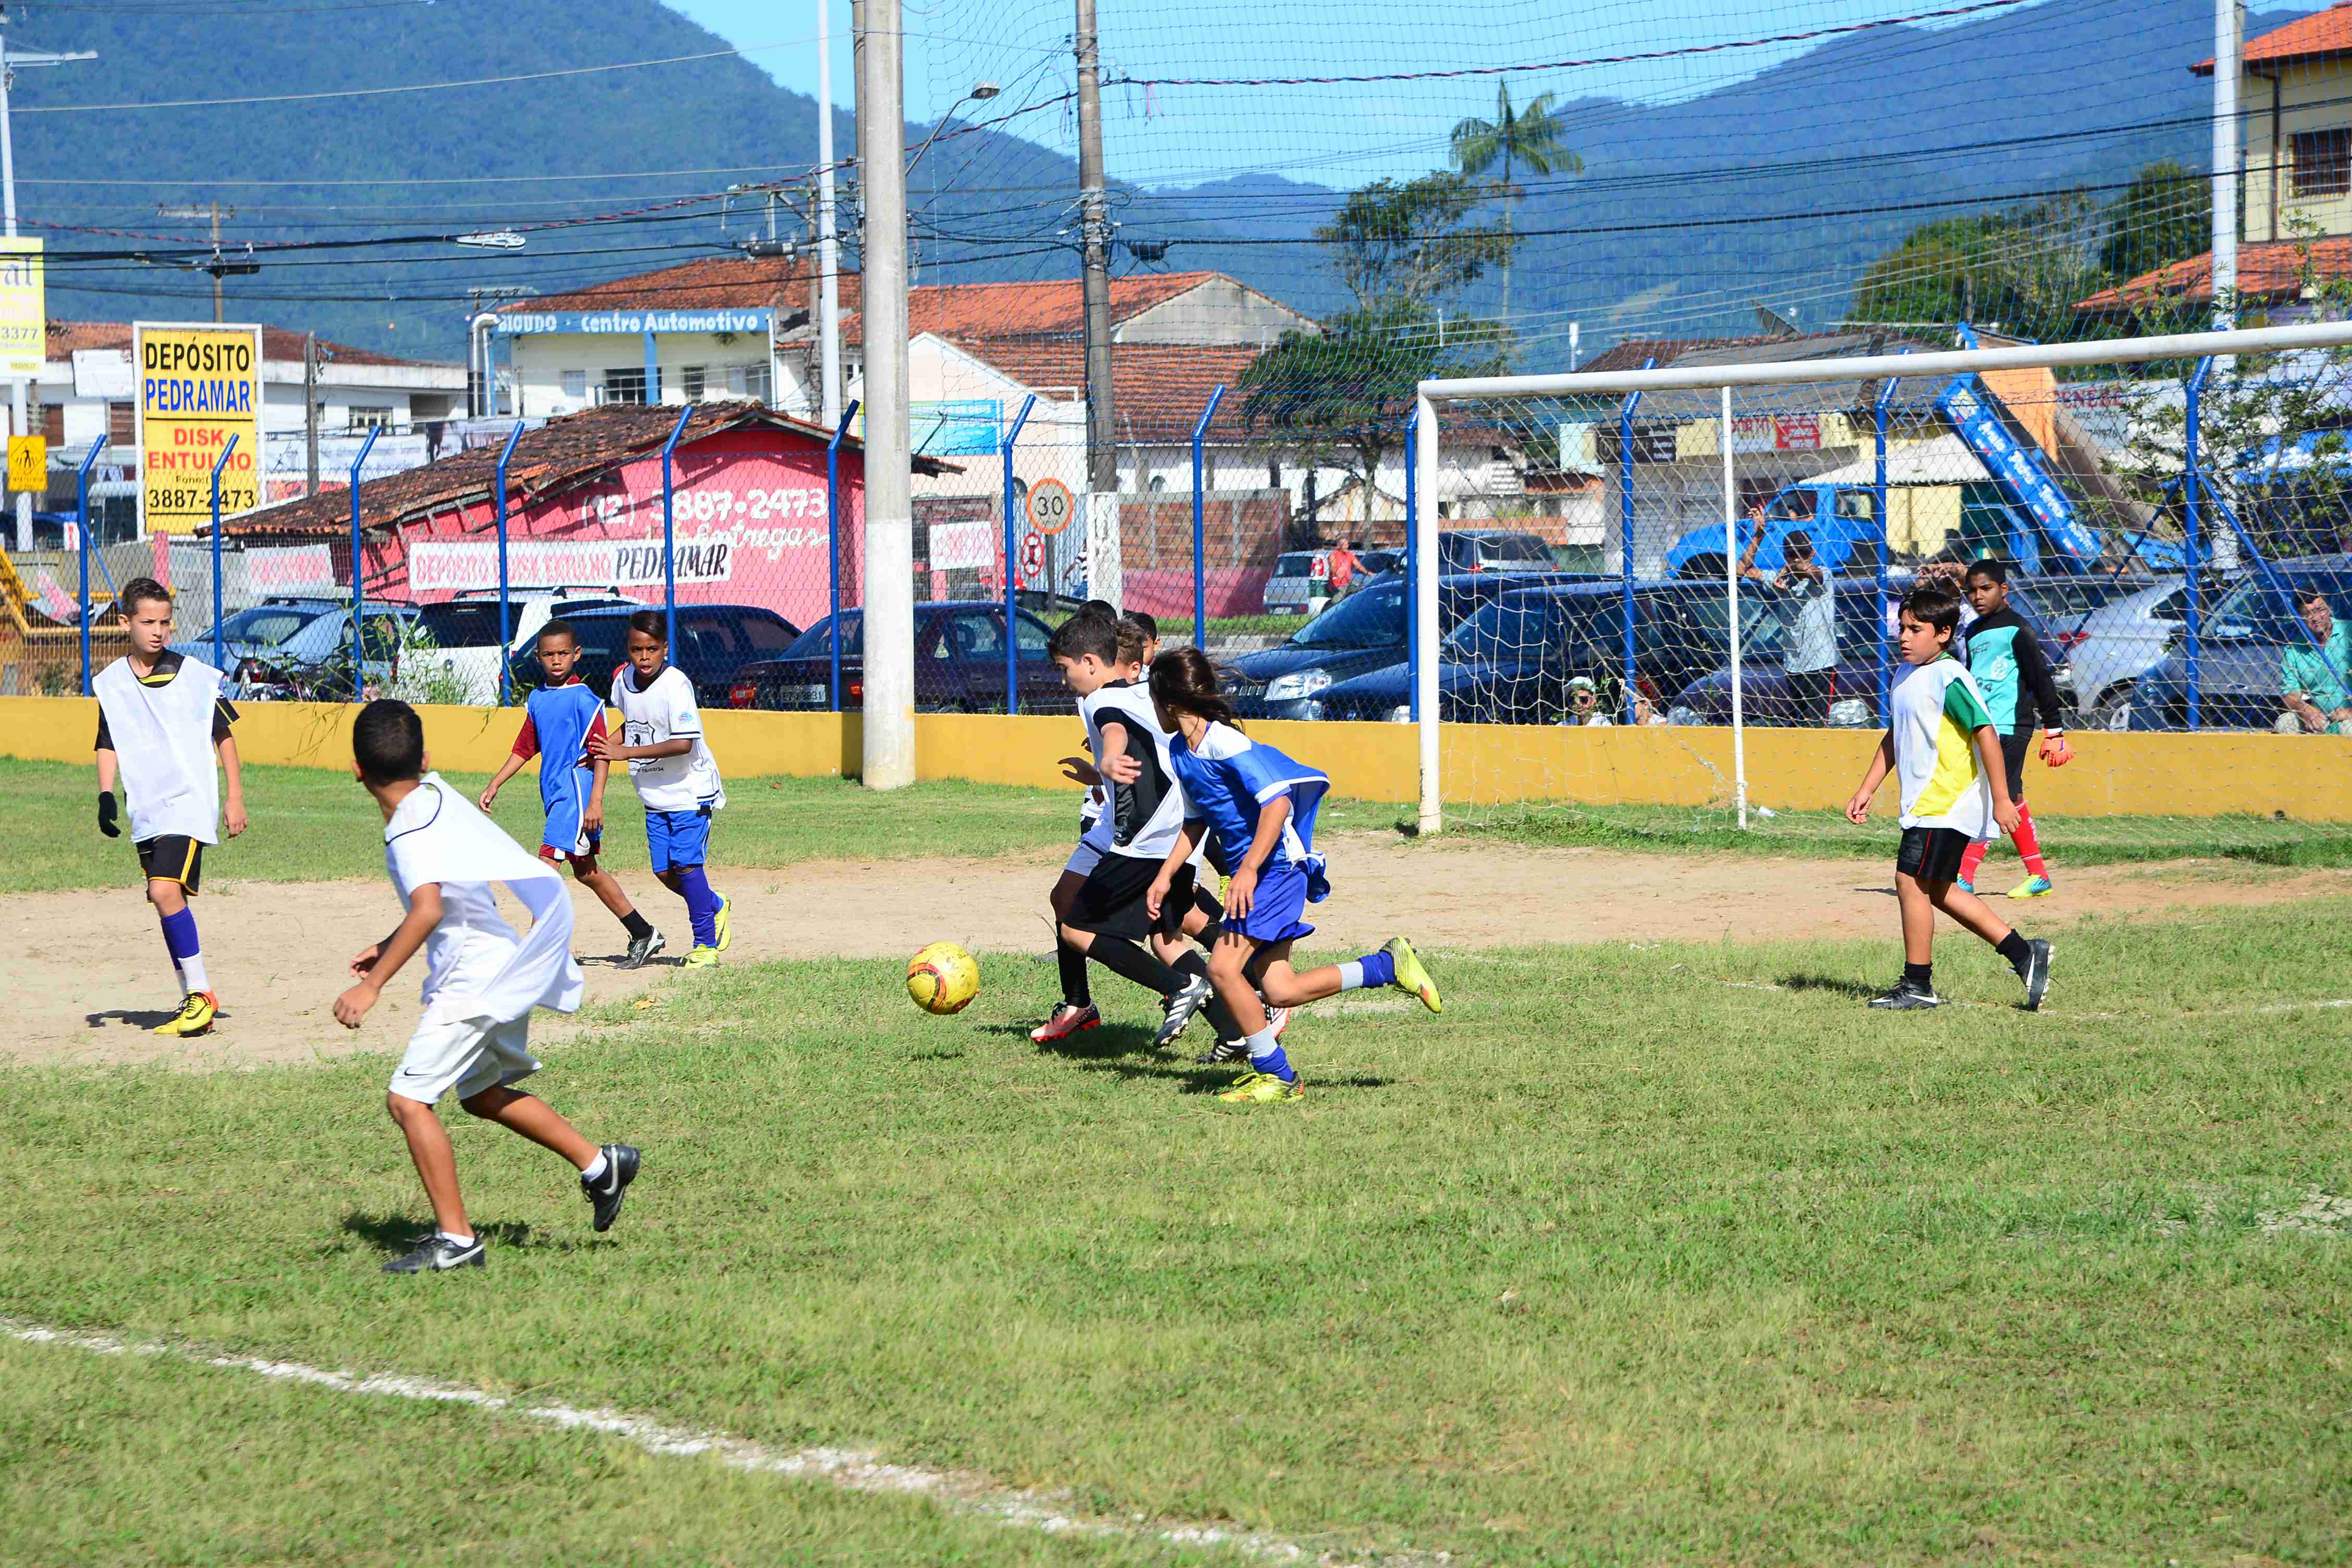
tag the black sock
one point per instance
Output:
(1073, 965)
(1129, 962)
(636, 925)
(2012, 948)
(1920, 974)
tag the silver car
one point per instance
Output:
(2124, 639)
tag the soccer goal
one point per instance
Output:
(1660, 596)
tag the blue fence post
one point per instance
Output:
(832, 536)
(669, 532)
(498, 507)
(1413, 561)
(1885, 642)
(1625, 526)
(359, 586)
(81, 523)
(218, 464)
(2192, 491)
(1012, 564)
(1200, 526)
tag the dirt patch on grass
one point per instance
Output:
(91, 978)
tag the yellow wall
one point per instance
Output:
(2311, 97)
(2309, 777)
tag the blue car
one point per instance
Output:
(959, 665)
(2242, 642)
(298, 648)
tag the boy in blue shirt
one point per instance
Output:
(561, 720)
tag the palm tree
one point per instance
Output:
(1528, 136)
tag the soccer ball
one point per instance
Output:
(943, 978)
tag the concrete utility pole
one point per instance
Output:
(889, 570)
(828, 246)
(216, 212)
(2228, 47)
(310, 413)
(1094, 220)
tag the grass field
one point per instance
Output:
(1633, 1254)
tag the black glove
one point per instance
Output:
(106, 815)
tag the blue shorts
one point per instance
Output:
(1280, 900)
(677, 839)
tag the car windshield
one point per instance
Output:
(1514, 548)
(2254, 610)
(1295, 564)
(266, 625)
(817, 641)
(1373, 619)
(1505, 628)
(459, 626)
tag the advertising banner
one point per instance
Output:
(198, 386)
(24, 310)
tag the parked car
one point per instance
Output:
(260, 631)
(1301, 576)
(714, 641)
(959, 665)
(452, 653)
(1511, 662)
(2117, 642)
(2242, 642)
(1363, 632)
(1494, 550)
(315, 664)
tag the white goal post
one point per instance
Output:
(1436, 395)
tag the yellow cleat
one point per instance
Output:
(1264, 1089)
(1410, 977)
(702, 958)
(726, 924)
(195, 1016)
(2033, 887)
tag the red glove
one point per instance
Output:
(2055, 751)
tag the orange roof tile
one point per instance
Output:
(1158, 389)
(2313, 37)
(277, 343)
(710, 282)
(2270, 270)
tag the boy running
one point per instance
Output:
(1941, 743)
(561, 721)
(2013, 674)
(161, 721)
(676, 776)
(481, 981)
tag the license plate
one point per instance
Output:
(817, 694)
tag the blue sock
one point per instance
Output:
(1369, 972)
(1265, 1056)
(179, 937)
(701, 905)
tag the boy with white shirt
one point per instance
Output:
(676, 776)
(160, 719)
(482, 979)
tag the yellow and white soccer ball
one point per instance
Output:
(943, 978)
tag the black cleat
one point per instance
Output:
(1182, 1008)
(605, 1192)
(642, 948)
(1905, 995)
(2035, 972)
(436, 1252)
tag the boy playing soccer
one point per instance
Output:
(676, 776)
(160, 719)
(481, 981)
(2012, 672)
(1941, 743)
(561, 721)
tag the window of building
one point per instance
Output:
(370, 418)
(575, 383)
(626, 386)
(53, 423)
(748, 381)
(693, 382)
(121, 424)
(2323, 163)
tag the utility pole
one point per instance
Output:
(890, 568)
(1094, 219)
(828, 248)
(216, 212)
(2229, 46)
(20, 393)
(310, 412)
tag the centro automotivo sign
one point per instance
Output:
(535, 323)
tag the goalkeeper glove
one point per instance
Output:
(2055, 751)
(106, 815)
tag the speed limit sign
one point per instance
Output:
(1051, 506)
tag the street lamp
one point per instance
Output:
(982, 91)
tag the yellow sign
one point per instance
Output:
(29, 463)
(24, 310)
(198, 386)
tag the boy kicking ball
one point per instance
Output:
(481, 981)
(1941, 743)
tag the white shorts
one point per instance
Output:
(466, 1055)
(1084, 859)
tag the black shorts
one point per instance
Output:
(2013, 752)
(1110, 902)
(1809, 693)
(1932, 853)
(171, 858)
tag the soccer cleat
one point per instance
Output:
(1182, 1007)
(726, 924)
(434, 1253)
(1965, 886)
(2034, 888)
(605, 1192)
(1225, 1052)
(1905, 995)
(1410, 977)
(702, 958)
(1067, 1021)
(194, 1017)
(642, 948)
(1264, 1089)
(2035, 972)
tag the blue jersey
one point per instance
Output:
(563, 718)
(1227, 782)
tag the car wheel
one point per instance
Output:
(2112, 710)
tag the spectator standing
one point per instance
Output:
(1339, 570)
(2315, 684)
(1809, 642)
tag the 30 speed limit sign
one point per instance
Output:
(1051, 506)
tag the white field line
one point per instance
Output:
(2267, 1007)
(848, 1469)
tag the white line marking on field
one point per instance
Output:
(849, 1469)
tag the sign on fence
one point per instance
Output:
(198, 386)
(29, 463)
(449, 566)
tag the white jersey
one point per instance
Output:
(162, 738)
(1937, 712)
(665, 711)
(477, 965)
(1139, 819)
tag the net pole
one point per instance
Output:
(1731, 590)
(1886, 547)
(218, 659)
(2191, 493)
(1424, 604)
(1625, 530)
(81, 529)
(359, 577)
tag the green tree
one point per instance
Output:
(2023, 268)
(1529, 136)
(1412, 240)
(2164, 216)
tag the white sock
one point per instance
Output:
(594, 1168)
(464, 1240)
(192, 974)
(1352, 974)
(1262, 1045)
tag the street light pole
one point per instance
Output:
(888, 570)
(216, 212)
